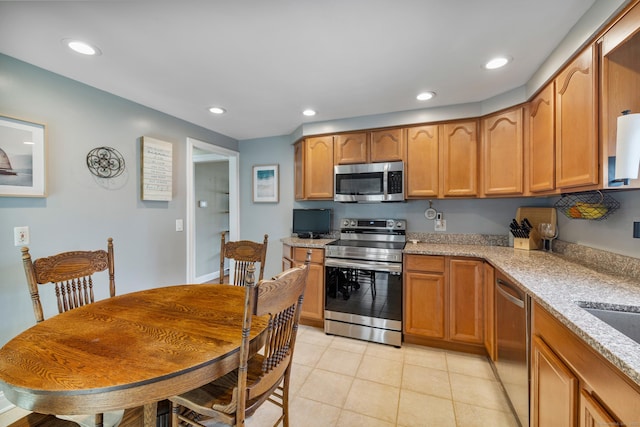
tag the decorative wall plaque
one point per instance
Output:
(156, 176)
(105, 162)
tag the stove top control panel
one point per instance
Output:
(374, 224)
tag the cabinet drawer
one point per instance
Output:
(424, 263)
(317, 255)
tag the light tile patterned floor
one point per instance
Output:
(340, 382)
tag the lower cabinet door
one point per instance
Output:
(554, 389)
(424, 304)
(592, 414)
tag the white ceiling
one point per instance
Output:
(267, 60)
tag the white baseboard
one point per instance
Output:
(10, 413)
(207, 277)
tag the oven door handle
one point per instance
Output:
(389, 267)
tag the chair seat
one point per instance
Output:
(109, 419)
(216, 400)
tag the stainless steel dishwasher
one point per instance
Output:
(512, 337)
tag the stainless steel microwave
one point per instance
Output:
(369, 182)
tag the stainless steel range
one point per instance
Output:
(363, 280)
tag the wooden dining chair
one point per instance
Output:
(243, 252)
(265, 376)
(71, 275)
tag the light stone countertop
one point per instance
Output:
(556, 283)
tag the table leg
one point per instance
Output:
(150, 414)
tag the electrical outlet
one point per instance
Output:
(441, 225)
(20, 236)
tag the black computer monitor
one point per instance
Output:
(311, 223)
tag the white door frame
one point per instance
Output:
(234, 200)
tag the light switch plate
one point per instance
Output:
(179, 225)
(441, 225)
(20, 236)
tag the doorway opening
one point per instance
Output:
(212, 206)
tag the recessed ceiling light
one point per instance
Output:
(81, 47)
(425, 96)
(497, 62)
(309, 112)
(217, 110)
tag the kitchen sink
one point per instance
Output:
(625, 319)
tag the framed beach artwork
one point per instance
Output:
(22, 158)
(265, 184)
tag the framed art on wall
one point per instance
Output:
(156, 165)
(22, 158)
(265, 184)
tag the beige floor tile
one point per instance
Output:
(384, 351)
(385, 371)
(425, 356)
(309, 413)
(373, 399)
(340, 361)
(476, 416)
(314, 336)
(349, 344)
(326, 387)
(353, 419)
(299, 374)
(478, 391)
(266, 415)
(470, 364)
(307, 354)
(426, 380)
(422, 410)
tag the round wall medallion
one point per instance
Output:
(105, 162)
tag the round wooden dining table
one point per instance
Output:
(127, 351)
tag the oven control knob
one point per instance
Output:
(390, 223)
(398, 224)
(353, 223)
(345, 223)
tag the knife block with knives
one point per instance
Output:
(524, 227)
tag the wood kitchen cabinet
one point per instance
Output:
(424, 296)
(541, 141)
(620, 83)
(502, 153)
(313, 168)
(351, 148)
(443, 302)
(312, 312)
(576, 122)
(387, 145)
(571, 384)
(555, 389)
(489, 310)
(459, 159)
(466, 299)
(422, 168)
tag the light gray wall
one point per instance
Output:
(81, 212)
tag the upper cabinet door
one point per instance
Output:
(351, 148)
(387, 146)
(542, 141)
(318, 168)
(460, 159)
(422, 166)
(502, 147)
(298, 170)
(576, 124)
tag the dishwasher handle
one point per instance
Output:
(517, 301)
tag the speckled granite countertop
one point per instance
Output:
(557, 284)
(306, 243)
